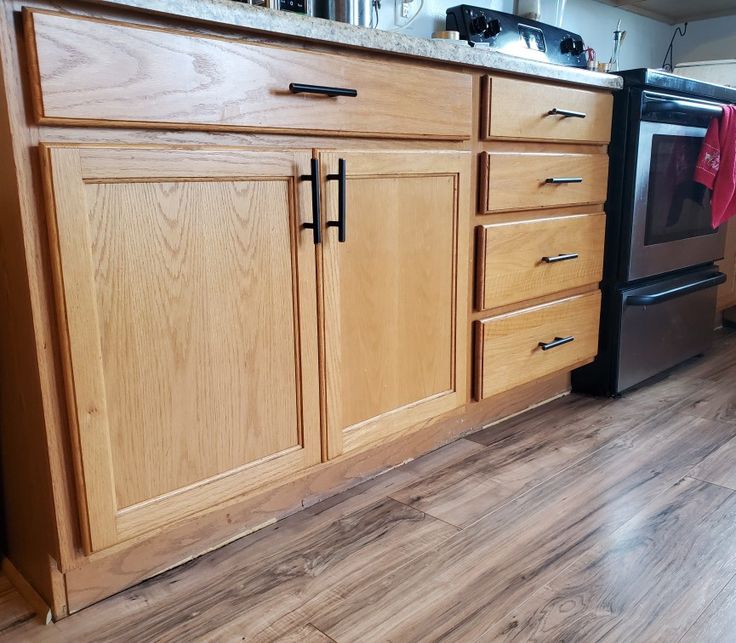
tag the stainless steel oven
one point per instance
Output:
(660, 280)
(671, 222)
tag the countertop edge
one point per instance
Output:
(282, 23)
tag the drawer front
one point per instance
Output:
(523, 181)
(527, 110)
(107, 73)
(526, 259)
(508, 351)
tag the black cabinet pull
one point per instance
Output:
(316, 225)
(301, 88)
(555, 180)
(341, 177)
(558, 258)
(557, 341)
(567, 113)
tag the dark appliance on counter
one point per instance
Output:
(516, 36)
(660, 280)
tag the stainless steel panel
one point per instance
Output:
(659, 336)
(649, 260)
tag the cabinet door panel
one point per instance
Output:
(187, 288)
(395, 293)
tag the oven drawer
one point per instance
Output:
(528, 110)
(664, 323)
(94, 72)
(523, 260)
(522, 346)
(522, 181)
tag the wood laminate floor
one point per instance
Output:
(584, 520)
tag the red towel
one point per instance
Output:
(716, 167)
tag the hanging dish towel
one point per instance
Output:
(716, 167)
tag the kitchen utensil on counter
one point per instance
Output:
(354, 12)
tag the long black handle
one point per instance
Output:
(564, 179)
(665, 295)
(678, 106)
(558, 258)
(568, 113)
(301, 88)
(341, 177)
(316, 225)
(558, 341)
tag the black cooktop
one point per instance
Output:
(656, 79)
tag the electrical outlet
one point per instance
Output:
(402, 12)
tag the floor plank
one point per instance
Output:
(719, 467)
(717, 624)
(527, 450)
(476, 577)
(647, 581)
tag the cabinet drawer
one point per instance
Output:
(109, 73)
(527, 259)
(508, 347)
(521, 181)
(527, 110)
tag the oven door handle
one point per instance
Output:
(665, 105)
(658, 297)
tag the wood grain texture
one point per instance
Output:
(395, 294)
(480, 575)
(133, 561)
(190, 316)
(719, 467)
(169, 78)
(519, 109)
(717, 623)
(518, 180)
(647, 581)
(507, 346)
(510, 265)
(727, 291)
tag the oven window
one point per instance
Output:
(677, 207)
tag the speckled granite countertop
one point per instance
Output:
(227, 12)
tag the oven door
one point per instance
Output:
(671, 216)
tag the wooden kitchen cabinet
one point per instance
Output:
(187, 292)
(395, 293)
(727, 292)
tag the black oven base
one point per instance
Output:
(650, 328)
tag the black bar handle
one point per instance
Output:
(556, 180)
(567, 113)
(316, 225)
(658, 297)
(341, 177)
(679, 106)
(563, 257)
(558, 341)
(301, 88)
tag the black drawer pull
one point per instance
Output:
(557, 341)
(556, 180)
(558, 258)
(316, 225)
(300, 88)
(341, 178)
(567, 113)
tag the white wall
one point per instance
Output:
(645, 43)
(707, 40)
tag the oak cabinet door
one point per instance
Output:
(186, 292)
(395, 292)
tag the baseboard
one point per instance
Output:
(30, 595)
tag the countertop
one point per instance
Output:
(228, 12)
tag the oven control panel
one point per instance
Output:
(516, 36)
